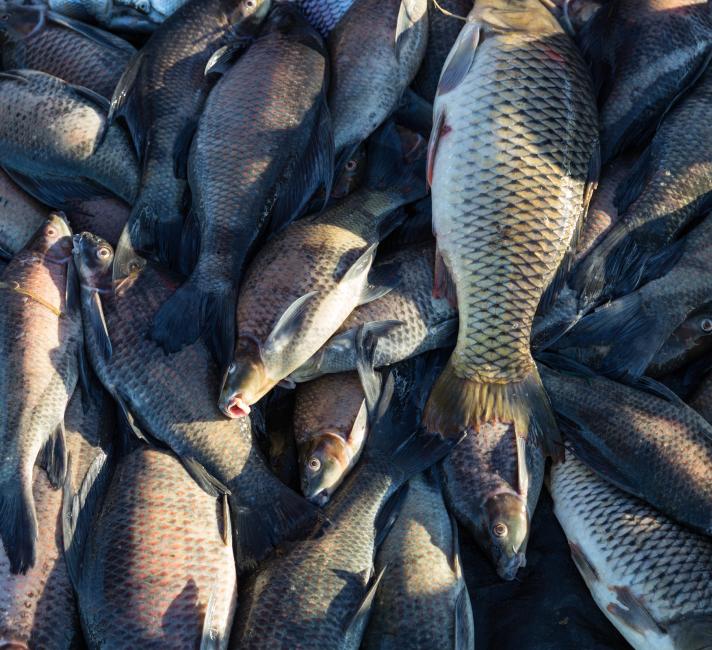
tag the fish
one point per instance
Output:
(41, 344)
(324, 15)
(443, 29)
(155, 11)
(329, 577)
(644, 54)
(20, 217)
(56, 143)
(305, 282)
(157, 570)
(37, 609)
(407, 320)
(260, 151)
(80, 54)
(160, 96)
(635, 326)
(106, 13)
(669, 188)
(170, 399)
(376, 50)
(647, 574)
(501, 236)
(491, 483)
(422, 600)
(656, 449)
(105, 217)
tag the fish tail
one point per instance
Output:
(18, 524)
(192, 311)
(154, 232)
(274, 517)
(457, 405)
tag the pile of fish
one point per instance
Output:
(302, 304)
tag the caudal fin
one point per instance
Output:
(192, 311)
(457, 405)
(18, 524)
(155, 233)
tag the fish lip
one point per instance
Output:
(235, 407)
(507, 568)
(320, 498)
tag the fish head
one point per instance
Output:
(504, 532)
(323, 463)
(54, 239)
(530, 16)
(351, 175)
(93, 259)
(245, 16)
(18, 22)
(246, 380)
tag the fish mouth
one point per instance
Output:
(319, 499)
(507, 567)
(236, 407)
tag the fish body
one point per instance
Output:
(330, 430)
(40, 339)
(644, 54)
(647, 574)
(657, 450)
(81, 55)
(512, 75)
(409, 320)
(55, 136)
(161, 95)
(105, 217)
(324, 14)
(154, 11)
(422, 601)
(261, 149)
(306, 280)
(156, 570)
(20, 216)
(172, 398)
(376, 50)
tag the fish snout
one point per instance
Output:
(234, 406)
(320, 498)
(509, 565)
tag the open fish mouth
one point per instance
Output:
(236, 407)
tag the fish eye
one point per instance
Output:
(250, 4)
(499, 529)
(103, 252)
(5, 17)
(314, 464)
(351, 165)
(50, 232)
(707, 325)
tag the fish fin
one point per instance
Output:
(460, 59)
(99, 36)
(190, 243)
(382, 279)
(53, 456)
(365, 345)
(57, 191)
(455, 561)
(631, 610)
(464, 622)
(207, 482)
(583, 564)
(18, 524)
(444, 333)
(190, 312)
(457, 405)
(181, 149)
(657, 389)
(288, 324)
(152, 231)
(78, 510)
(287, 384)
(593, 39)
(388, 514)
(72, 298)
(224, 57)
(211, 637)
(433, 142)
(405, 24)
(130, 426)
(522, 466)
(662, 262)
(355, 625)
(97, 323)
(359, 270)
(443, 284)
(632, 186)
(347, 339)
(15, 75)
(314, 168)
(415, 113)
(126, 102)
(88, 384)
(691, 632)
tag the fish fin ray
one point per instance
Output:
(355, 625)
(57, 191)
(99, 36)
(126, 102)
(444, 286)
(382, 279)
(207, 482)
(464, 622)
(365, 346)
(691, 632)
(97, 323)
(18, 524)
(53, 456)
(633, 612)
(288, 324)
(460, 59)
(632, 186)
(388, 514)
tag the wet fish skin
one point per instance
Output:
(423, 581)
(156, 564)
(82, 55)
(324, 15)
(161, 95)
(40, 349)
(419, 322)
(20, 216)
(491, 483)
(156, 11)
(669, 187)
(655, 449)
(647, 574)
(512, 74)
(37, 609)
(105, 217)
(644, 53)
(329, 432)
(140, 375)
(50, 129)
(372, 63)
(250, 174)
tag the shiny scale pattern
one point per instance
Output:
(20, 215)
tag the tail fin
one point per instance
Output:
(18, 524)
(192, 311)
(155, 233)
(457, 405)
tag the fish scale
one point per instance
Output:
(618, 542)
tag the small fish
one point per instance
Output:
(40, 343)
(306, 281)
(651, 577)
(422, 601)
